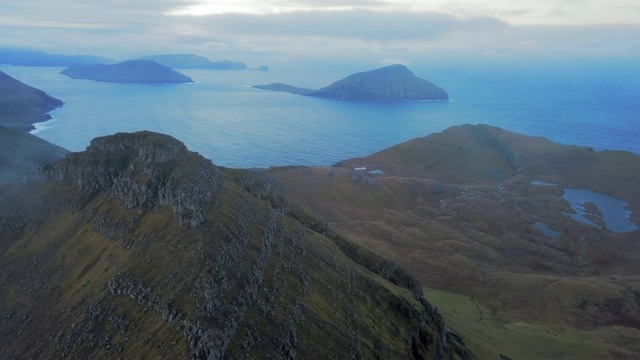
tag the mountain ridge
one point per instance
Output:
(113, 249)
(478, 215)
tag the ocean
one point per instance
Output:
(594, 104)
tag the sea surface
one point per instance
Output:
(222, 117)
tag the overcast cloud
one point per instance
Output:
(265, 31)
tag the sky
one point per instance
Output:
(281, 31)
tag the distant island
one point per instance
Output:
(191, 61)
(394, 82)
(39, 58)
(286, 88)
(22, 105)
(132, 71)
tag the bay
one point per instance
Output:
(222, 117)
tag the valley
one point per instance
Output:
(458, 210)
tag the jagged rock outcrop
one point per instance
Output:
(139, 248)
(22, 105)
(132, 71)
(393, 82)
(145, 171)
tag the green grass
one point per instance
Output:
(581, 287)
(491, 335)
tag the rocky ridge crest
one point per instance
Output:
(144, 171)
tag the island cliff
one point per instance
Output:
(22, 105)
(139, 248)
(394, 82)
(132, 71)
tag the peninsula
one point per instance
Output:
(394, 82)
(132, 71)
(22, 105)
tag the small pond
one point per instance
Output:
(613, 211)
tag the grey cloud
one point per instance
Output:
(362, 24)
(121, 28)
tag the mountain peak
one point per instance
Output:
(151, 146)
(95, 267)
(393, 82)
(394, 67)
(145, 171)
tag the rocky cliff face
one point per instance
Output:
(145, 171)
(132, 71)
(22, 105)
(138, 248)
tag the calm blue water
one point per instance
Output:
(614, 212)
(223, 118)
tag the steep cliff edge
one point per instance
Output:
(22, 105)
(138, 247)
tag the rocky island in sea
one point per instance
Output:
(131, 71)
(393, 82)
(22, 105)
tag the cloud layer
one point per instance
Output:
(281, 30)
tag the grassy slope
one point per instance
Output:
(99, 280)
(539, 297)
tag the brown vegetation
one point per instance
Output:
(457, 210)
